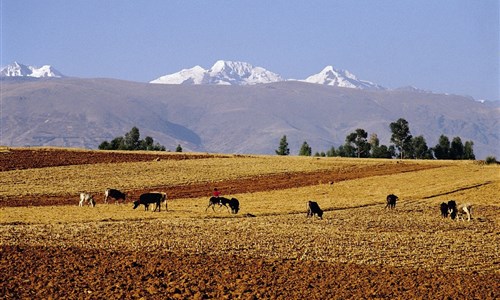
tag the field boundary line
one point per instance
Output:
(458, 190)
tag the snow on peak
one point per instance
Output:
(221, 73)
(341, 78)
(225, 72)
(19, 70)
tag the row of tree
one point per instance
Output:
(404, 145)
(132, 141)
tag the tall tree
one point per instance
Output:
(305, 150)
(401, 137)
(456, 148)
(132, 139)
(442, 149)
(377, 150)
(357, 140)
(179, 148)
(283, 148)
(468, 151)
(420, 148)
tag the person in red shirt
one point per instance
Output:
(216, 193)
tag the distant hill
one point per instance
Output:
(232, 119)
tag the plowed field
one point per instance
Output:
(51, 249)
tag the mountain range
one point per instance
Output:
(242, 73)
(221, 73)
(249, 118)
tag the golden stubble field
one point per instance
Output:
(356, 232)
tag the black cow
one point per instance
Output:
(234, 204)
(444, 210)
(313, 209)
(391, 201)
(115, 194)
(149, 198)
(452, 209)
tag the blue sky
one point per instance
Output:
(443, 46)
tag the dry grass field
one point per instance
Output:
(51, 248)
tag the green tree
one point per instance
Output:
(118, 143)
(283, 148)
(346, 150)
(377, 150)
(456, 148)
(442, 149)
(178, 149)
(132, 139)
(357, 140)
(331, 152)
(420, 148)
(401, 137)
(104, 146)
(305, 149)
(469, 151)
(147, 144)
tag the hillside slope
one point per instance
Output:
(232, 119)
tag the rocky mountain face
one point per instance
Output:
(74, 112)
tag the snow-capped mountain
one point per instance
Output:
(221, 73)
(340, 78)
(242, 73)
(19, 70)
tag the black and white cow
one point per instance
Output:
(214, 201)
(313, 209)
(149, 198)
(86, 198)
(115, 194)
(391, 201)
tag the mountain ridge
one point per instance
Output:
(250, 119)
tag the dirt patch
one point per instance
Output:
(90, 273)
(20, 159)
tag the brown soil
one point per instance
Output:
(60, 272)
(19, 159)
(22, 159)
(55, 273)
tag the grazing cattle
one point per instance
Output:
(391, 201)
(313, 209)
(221, 201)
(464, 210)
(452, 209)
(115, 194)
(149, 198)
(87, 198)
(234, 204)
(444, 210)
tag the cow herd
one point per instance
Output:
(156, 198)
(449, 209)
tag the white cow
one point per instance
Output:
(464, 209)
(87, 198)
